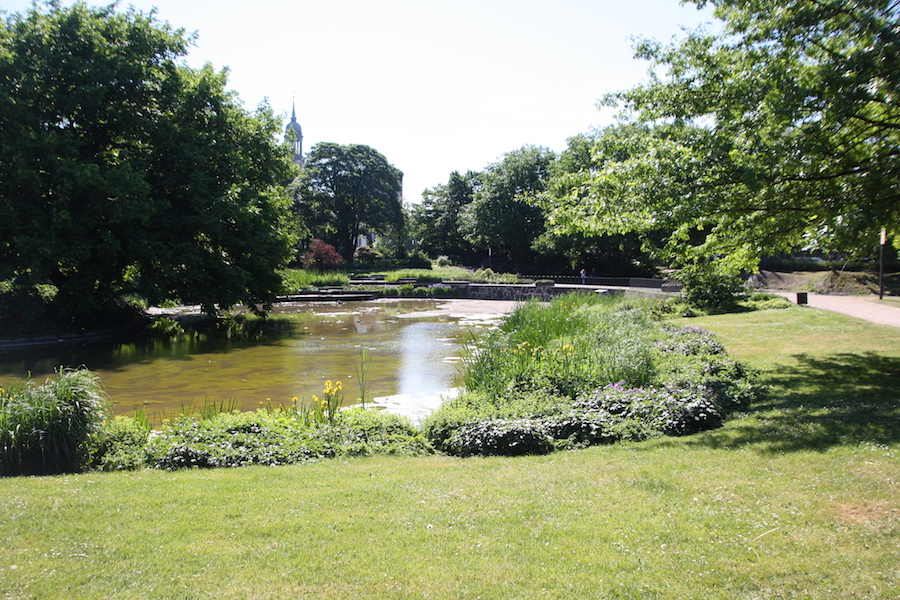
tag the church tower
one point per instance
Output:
(294, 135)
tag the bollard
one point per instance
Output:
(801, 298)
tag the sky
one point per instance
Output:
(434, 85)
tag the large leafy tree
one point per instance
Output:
(436, 218)
(504, 216)
(782, 131)
(576, 237)
(345, 191)
(126, 172)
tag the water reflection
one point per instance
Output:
(313, 343)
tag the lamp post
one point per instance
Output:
(881, 265)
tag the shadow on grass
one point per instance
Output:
(822, 402)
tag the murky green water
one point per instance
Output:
(316, 342)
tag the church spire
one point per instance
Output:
(293, 134)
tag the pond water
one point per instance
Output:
(413, 359)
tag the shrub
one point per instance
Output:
(705, 288)
(237, 439)
(667, 410)
(280, 437)
(52, 428)
(365, 254)
(579, 429)
(371, 432)
(500, 437)
(418, 260)
(689, 340)
(123, 444)
(322, 257)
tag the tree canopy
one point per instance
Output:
(345, 191)
(436, 218)
(125, 172)
(504, 215)
(780, 132)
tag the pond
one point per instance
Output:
(414, 356)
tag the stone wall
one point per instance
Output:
(490, 291)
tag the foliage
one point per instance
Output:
(497, 437)
(236, 439)
(491, 276)
(436, 220)
(343, 192)
(703, 287)
(124, 439)
(779, 133)
(127, 173)
(408, 290)
(587, 370)
(503, 216)
(54, 427)
(365, 254)
(321, 257)
(299, 279)
(279, 437)
(613, 253)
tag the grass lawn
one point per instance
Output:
(799, 498)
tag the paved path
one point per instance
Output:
(861, 307)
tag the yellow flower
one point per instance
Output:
(338, 386)
(315, 398)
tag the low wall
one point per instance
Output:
(504, 291)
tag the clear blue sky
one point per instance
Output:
(435, 86)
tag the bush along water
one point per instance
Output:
(52, 428)
(276, 436)
(65, 426)
(585, 370)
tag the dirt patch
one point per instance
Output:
(849, 283)
(866, 513)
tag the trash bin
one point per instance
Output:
(801, 298)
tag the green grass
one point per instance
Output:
(798, 498)
(296, 280)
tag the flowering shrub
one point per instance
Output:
(689, 340)
(500, 437)
(667, 410)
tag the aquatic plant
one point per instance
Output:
(54, 427)
(606, 371)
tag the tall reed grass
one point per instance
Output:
(577, 342)
(54, 427)
(302, 279)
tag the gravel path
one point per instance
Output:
(861, 307)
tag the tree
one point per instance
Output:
(436, 218)
(504, 215)
(125, 172)
(780, 132)
(571, 235)
(345, 191)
